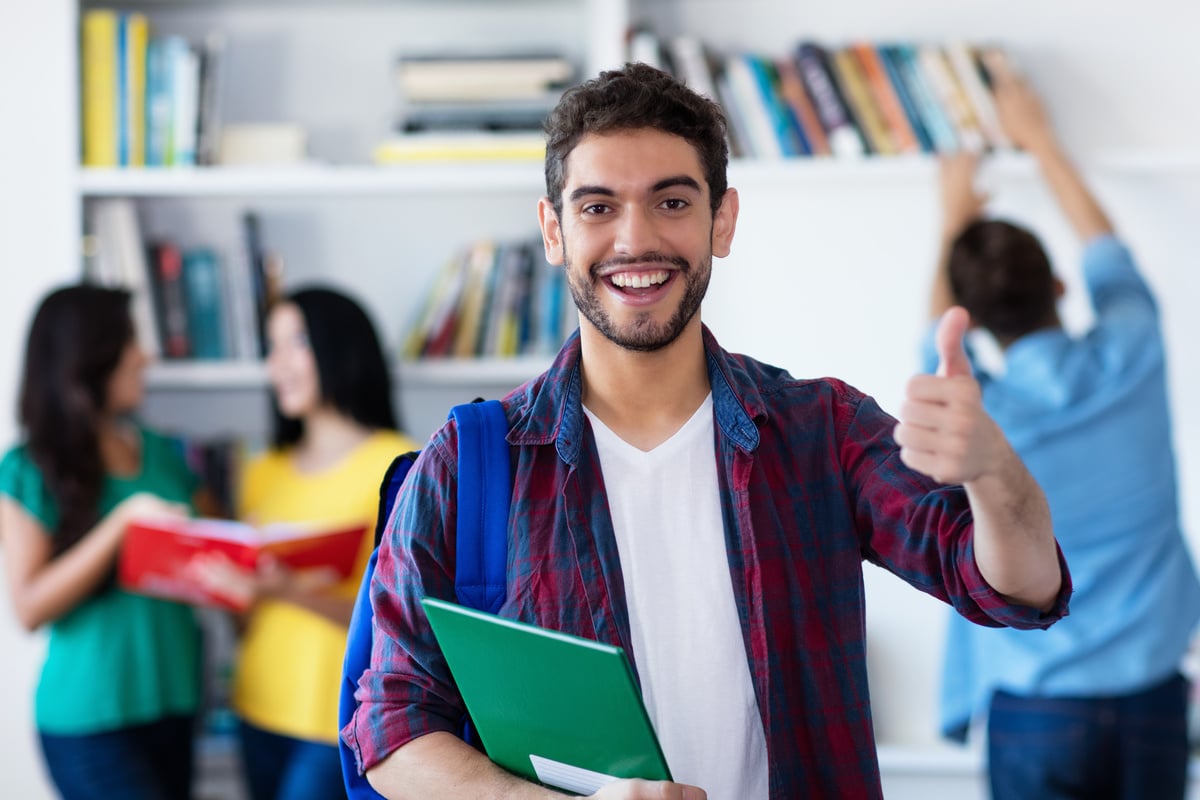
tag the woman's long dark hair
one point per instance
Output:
(353, 374)
(75, 343)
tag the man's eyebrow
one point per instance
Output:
(665, 183)
(584, 191)
(676, 180)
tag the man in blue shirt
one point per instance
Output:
(1094, 707)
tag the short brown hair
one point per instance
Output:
(636, 96)
(1001, 275)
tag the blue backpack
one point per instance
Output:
(484, 490)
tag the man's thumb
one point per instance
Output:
(952, 355)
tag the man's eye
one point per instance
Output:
(675, 204)
(595, 208)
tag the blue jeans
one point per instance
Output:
(142, 762)
(282, 768)
(1127, 747)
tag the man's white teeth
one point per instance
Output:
(638, 280)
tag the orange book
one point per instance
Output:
(886, 98)
(859, 97)
(791, 88)
(156, 554)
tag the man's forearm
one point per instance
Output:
(442, 765)
(1077, 202)
(1015, 548)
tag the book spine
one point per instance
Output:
(848, 74)
(937, 121)
(185, 68)
(99, 65)
(692, 65)
(932, 60)
(208, 112)
(965, 62)
(792, 90)
(786, 130)
(202, 277)
(758, 123)
(884, 94)
(124, 254)
(136, 38)
(158, 104)
(171, 302)
(845, 140)
(740, 145)
(888, 57)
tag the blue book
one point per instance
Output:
(158, 103)
(937, 124)
(202, 288)
(889, 56)
(123, 90)
(787, 130)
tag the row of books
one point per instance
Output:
(857, 99)
(188, 302)
(493, 299)
(146, 100)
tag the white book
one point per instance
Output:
(691, 65)
(949, 96)
(644, 49)
(962, 61)
(753, 107)
(185, 91)
(121, 261)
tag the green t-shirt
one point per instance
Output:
(117, 659)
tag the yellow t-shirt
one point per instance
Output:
(289, 669)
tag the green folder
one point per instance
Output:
(551, 707)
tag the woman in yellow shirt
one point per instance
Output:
(335, 435)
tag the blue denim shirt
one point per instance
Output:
(1090, 418)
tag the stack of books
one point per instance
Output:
(487, 106)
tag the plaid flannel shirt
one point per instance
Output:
(811, 485)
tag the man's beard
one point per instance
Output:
(643, 334)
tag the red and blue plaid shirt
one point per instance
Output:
(811, 485)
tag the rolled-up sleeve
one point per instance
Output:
(923, 531)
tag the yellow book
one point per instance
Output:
(98, 62)
(462, 146)
(137, 35)
(482, 262)
(858, 96)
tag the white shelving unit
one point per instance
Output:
(829, 265)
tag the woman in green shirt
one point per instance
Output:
(120, 686)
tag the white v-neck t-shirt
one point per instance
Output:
(683, 619)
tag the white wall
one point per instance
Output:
(39, 233)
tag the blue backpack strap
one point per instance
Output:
(358, 636)
(484, 494)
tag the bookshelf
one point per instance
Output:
(829, 265)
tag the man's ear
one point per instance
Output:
(724, 224)
(552, 239)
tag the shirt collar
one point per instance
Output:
(550, 407)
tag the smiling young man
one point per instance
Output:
(707, 512)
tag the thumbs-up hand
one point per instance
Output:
(944, 431)
(949, 342)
